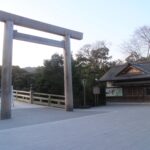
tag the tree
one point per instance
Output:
(132, 48)
(138, 46)
(143, 35)
(133, 57)
(21, 79)
(94, 57)
(53, 75)
(38, 81)
(92, 61)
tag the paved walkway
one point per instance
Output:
(113, 127)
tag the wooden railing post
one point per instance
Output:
(49, 100)
(31, 96)
(16, 94)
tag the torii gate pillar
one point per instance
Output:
(68, 75)
(7, 71)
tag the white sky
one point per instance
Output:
(110, 20)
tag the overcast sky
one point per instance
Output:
(111, 20)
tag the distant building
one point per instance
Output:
(128, 83)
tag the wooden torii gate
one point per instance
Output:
(9, 34)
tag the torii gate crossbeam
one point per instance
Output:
(9, 34)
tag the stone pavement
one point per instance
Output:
(111, 127)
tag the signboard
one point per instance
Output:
(114, 92)
(96, 90)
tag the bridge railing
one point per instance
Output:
(40, 98)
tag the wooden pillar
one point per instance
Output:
(31, 94)
(6, 79)
(68, 75)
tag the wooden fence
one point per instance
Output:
(40, 98)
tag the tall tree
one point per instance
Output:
(91, 63)
(53, 75)
(143, 35)
(21, 79)
(138, 46)
(94, 57)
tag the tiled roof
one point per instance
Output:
(112, 74)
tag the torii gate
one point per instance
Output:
(9, 34)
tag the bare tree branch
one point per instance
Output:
(139, 45)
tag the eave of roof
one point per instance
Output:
(113, 73)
